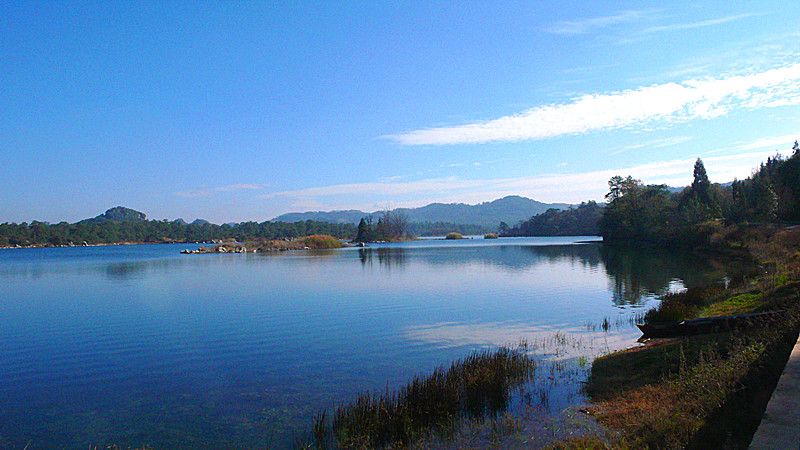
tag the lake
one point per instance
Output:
(133, 345)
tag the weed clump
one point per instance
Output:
(682, 305)
(472, 388)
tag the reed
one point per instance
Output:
(472, 388)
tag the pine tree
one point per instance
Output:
(363, 231)
(701, 185)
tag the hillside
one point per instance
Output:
(511, 210)
(120, 214)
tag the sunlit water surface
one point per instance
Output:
(133, 345)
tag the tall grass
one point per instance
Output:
(682, 305)
(475, 387)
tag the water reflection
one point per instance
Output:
(386, 256)
(231, 348)
(126, 270)
(634, 274)
(512, 257)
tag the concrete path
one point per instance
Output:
(780, 426)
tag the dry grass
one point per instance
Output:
(314, 242)
(469, 389)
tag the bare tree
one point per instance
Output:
(396, 222)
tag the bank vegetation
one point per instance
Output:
(704, 391)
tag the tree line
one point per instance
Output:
(580, 220)
(156, 231)
(391, 226)
(652, 214)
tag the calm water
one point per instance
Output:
(140, 344)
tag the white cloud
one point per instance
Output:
(654, 144)
(691, 25)
(585, 26)
(779, 142)
(556, 187)
(205, 192)
(669, 102)
(378, 188)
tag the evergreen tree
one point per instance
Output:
(701, 185)
(363, 231)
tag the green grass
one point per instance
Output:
(629, 369)
(739, 304)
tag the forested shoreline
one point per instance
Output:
(580, 220)
(652, 215)
(633, 213)
(94, 232)
(656, 215)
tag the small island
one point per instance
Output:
(314, 242)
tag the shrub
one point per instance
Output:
(319, 241)
(454, 235)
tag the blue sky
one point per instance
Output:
(243, 111)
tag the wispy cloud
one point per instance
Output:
(700, 24)
(670, 102)
(654, 144)
(556, 187)
(589, 25)
(377, 188)
(205, 192)
(774, 143)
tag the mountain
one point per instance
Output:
(511, 210)
(120, 214)
(349, 216)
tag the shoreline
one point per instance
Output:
(711, 388)
(12, 247)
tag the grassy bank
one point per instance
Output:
(704, 391)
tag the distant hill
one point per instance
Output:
(349, 216)
(511, 210)
(120, 214)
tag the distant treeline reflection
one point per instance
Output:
(635, 273)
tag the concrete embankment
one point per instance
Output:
(780, 425)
